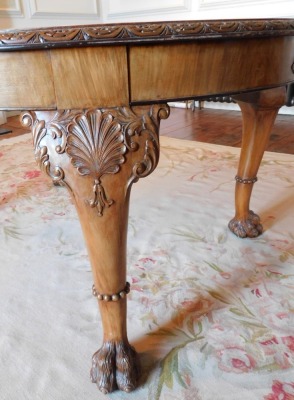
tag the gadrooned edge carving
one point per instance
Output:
(142, 32)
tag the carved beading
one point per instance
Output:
(112, 297)
(245, 180)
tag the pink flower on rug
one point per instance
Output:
(282, 315)
(256, 292)
(289, 342)
(281, 391)
(1, 154)
(134, 282)
(273, 340)
(147, 260)
(234, 359)
(32, 174)
(271, 348)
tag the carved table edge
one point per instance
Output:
(144, 32)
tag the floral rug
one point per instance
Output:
(211, 315)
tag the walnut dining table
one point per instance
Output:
(93, 97)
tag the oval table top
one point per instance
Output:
(113, 65)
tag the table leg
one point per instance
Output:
(259, 110)
(97, 154)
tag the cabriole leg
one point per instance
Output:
(97, 154)
(259, 110)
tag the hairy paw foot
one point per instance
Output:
(250, 227)
(115, 366)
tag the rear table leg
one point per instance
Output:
(259, 110)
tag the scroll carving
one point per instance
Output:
(39, 131)
(58, 128)
(97, 142)
(138, 122)
(133, 33)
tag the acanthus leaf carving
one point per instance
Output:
(100, 200)
(138, 122)
(58, 127)
(39, 131)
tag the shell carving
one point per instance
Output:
(95, 145)
(97, 142)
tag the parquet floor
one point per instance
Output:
(207, 125)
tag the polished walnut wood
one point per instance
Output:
(82, 80)
(259, 112)
(96, 95)
(166, 68)
(98, 155)
(212, 57)
(27, 79)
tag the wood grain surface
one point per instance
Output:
(190, 70)
(90, 77)
(26, 80)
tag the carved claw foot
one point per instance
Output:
(250, 227)
(115, 366)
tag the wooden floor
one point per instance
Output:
(206, 125)
(224, 128)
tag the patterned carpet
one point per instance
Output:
(211, 315)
